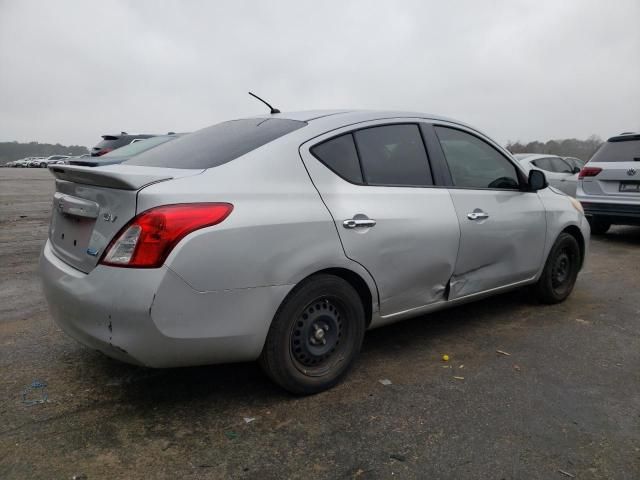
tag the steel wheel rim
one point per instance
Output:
(317, 336)
(561, 272)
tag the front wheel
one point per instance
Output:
(315, 336)
(560, 271)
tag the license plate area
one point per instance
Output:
(630, 187)
(70, 235)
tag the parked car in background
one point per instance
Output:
(124, 153)
(574, 162)
(283, 238)
(111, 142)
(53, 159)
(560, 173)
(35, 162)
(609, 184)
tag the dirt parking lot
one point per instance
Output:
(564, 403)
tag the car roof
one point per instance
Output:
(535, 156)
(344, 117)
(624, 137)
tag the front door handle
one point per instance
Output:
(477, 215)
(359, 223)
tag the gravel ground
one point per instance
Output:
(565, 402)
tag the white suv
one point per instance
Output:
(609, 184)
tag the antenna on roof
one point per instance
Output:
(273, 110)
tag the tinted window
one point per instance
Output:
(339, 154)
(574, 162)
(393, 155)
(553, 164)
(213, 146)
(474, 163)
(543, 164)
(618, 151)
(559, 165)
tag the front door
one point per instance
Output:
(502, 227)
(377, 184)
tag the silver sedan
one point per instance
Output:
(283, 238)
(561, 173)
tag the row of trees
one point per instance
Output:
(569, 147)
(15, 150)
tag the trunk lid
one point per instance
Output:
(92, 204)
(616, 178)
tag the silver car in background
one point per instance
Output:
(283, 238)
(561, 173)
(609, 186)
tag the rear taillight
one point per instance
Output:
(147, 240)
(103, 151)
(589, 172)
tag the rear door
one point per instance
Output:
(377, 183)
(502, 228)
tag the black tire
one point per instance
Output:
(560, 270)
(322, 308)
(598, 226)
(43, 165)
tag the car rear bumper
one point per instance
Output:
(617, 213)
(152, 317)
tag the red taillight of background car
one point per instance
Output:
(147, 240)
(589, 172)
(103, 151)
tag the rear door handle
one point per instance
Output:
(477, 215)
(359, 223)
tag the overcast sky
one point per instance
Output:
(71, 71)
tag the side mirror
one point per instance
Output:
(537, 181)
(576, 170)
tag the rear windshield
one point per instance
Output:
(213, 146)
(137, 147)
(620, 151)
(110, 143)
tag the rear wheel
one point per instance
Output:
(598, 226)
(560, 271)
(315, 335)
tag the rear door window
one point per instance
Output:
(216, 145)
(339, 155)
(474, 163)
(393, 155)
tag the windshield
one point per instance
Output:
(138, 147)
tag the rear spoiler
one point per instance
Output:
(122, 177)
